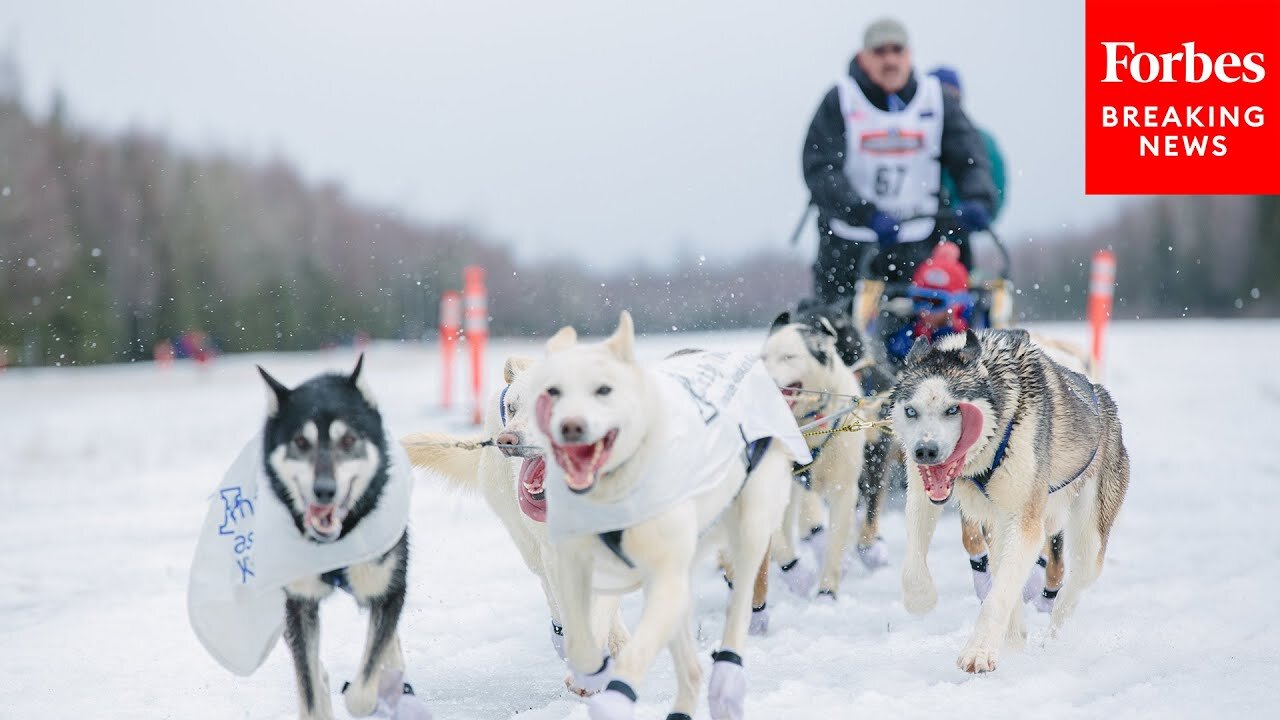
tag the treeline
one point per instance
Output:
(110, 244)
(1176, 256)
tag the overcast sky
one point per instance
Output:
(609, 130)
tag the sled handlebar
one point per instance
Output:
(871, 250)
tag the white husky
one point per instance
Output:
(510, 479)
(802, 359)
(651, 467)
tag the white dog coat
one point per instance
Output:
(716, 404)
(249, 549)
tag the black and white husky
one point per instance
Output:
(326, 459)
(1029, 448)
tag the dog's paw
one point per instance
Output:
(875, 555)
(1044, 601)
(799, 578)
(612, 704)
(759, 621)
(977, 658)
(361, 698)
(588, 684)
(1035, 582)
(727, 691)
(918, 592)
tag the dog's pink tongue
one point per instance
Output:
(532, 472)
(939, 478)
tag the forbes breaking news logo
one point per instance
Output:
(1190, 66)
(1178, 94)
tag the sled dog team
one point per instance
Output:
(612, 476)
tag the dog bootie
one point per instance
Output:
(588, 684)
(759, 621)
(1035, 580)
(1044, 601)
(396, 700)
(981, 576)
(727, 691)
(617, 702)
(557, 640)
(799, 578)
(875, 555)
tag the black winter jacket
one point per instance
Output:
(963, 154)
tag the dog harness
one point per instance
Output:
(714, 406)
(751, 454)
(502, 404)
(981, 479)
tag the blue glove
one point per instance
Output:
(885, 226)
(973, 216)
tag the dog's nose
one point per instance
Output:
(927, 452)
(573, 430)
(507, 438)
(325, 489)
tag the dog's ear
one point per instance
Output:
(277, 393)
(823, 325)
(622, 343)
(516, 364)
(355, 374)
(919, 350)
(1019, 335)
(564, 339)
(359, 383)
(783, 318)
(972, 348)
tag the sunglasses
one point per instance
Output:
(892, 49)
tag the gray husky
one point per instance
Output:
(325, 455)
(1029, 448)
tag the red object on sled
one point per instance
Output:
(450, 328)
(475, 318)
(1102, 286)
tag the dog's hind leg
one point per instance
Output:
(684, 655)
(758, 508)
(302, 633)
(759, 600)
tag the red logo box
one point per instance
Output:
(1182, 98)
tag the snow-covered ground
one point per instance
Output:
(105, 474)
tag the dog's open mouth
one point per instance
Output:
(582, 462)
(533, 499)
(324, 522)
(791, 393)
(940, 478)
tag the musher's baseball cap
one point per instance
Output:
(885, 31)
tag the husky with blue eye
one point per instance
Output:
(325, 457)
(1029, 448)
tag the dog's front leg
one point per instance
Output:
(1017, 543)
(663, 548)
(583, 650)
(918, 592)
(843, 500)
(302, 633)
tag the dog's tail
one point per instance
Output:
(438, 453)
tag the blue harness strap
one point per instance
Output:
(502, 405)
(337, 578)
(981, 479)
